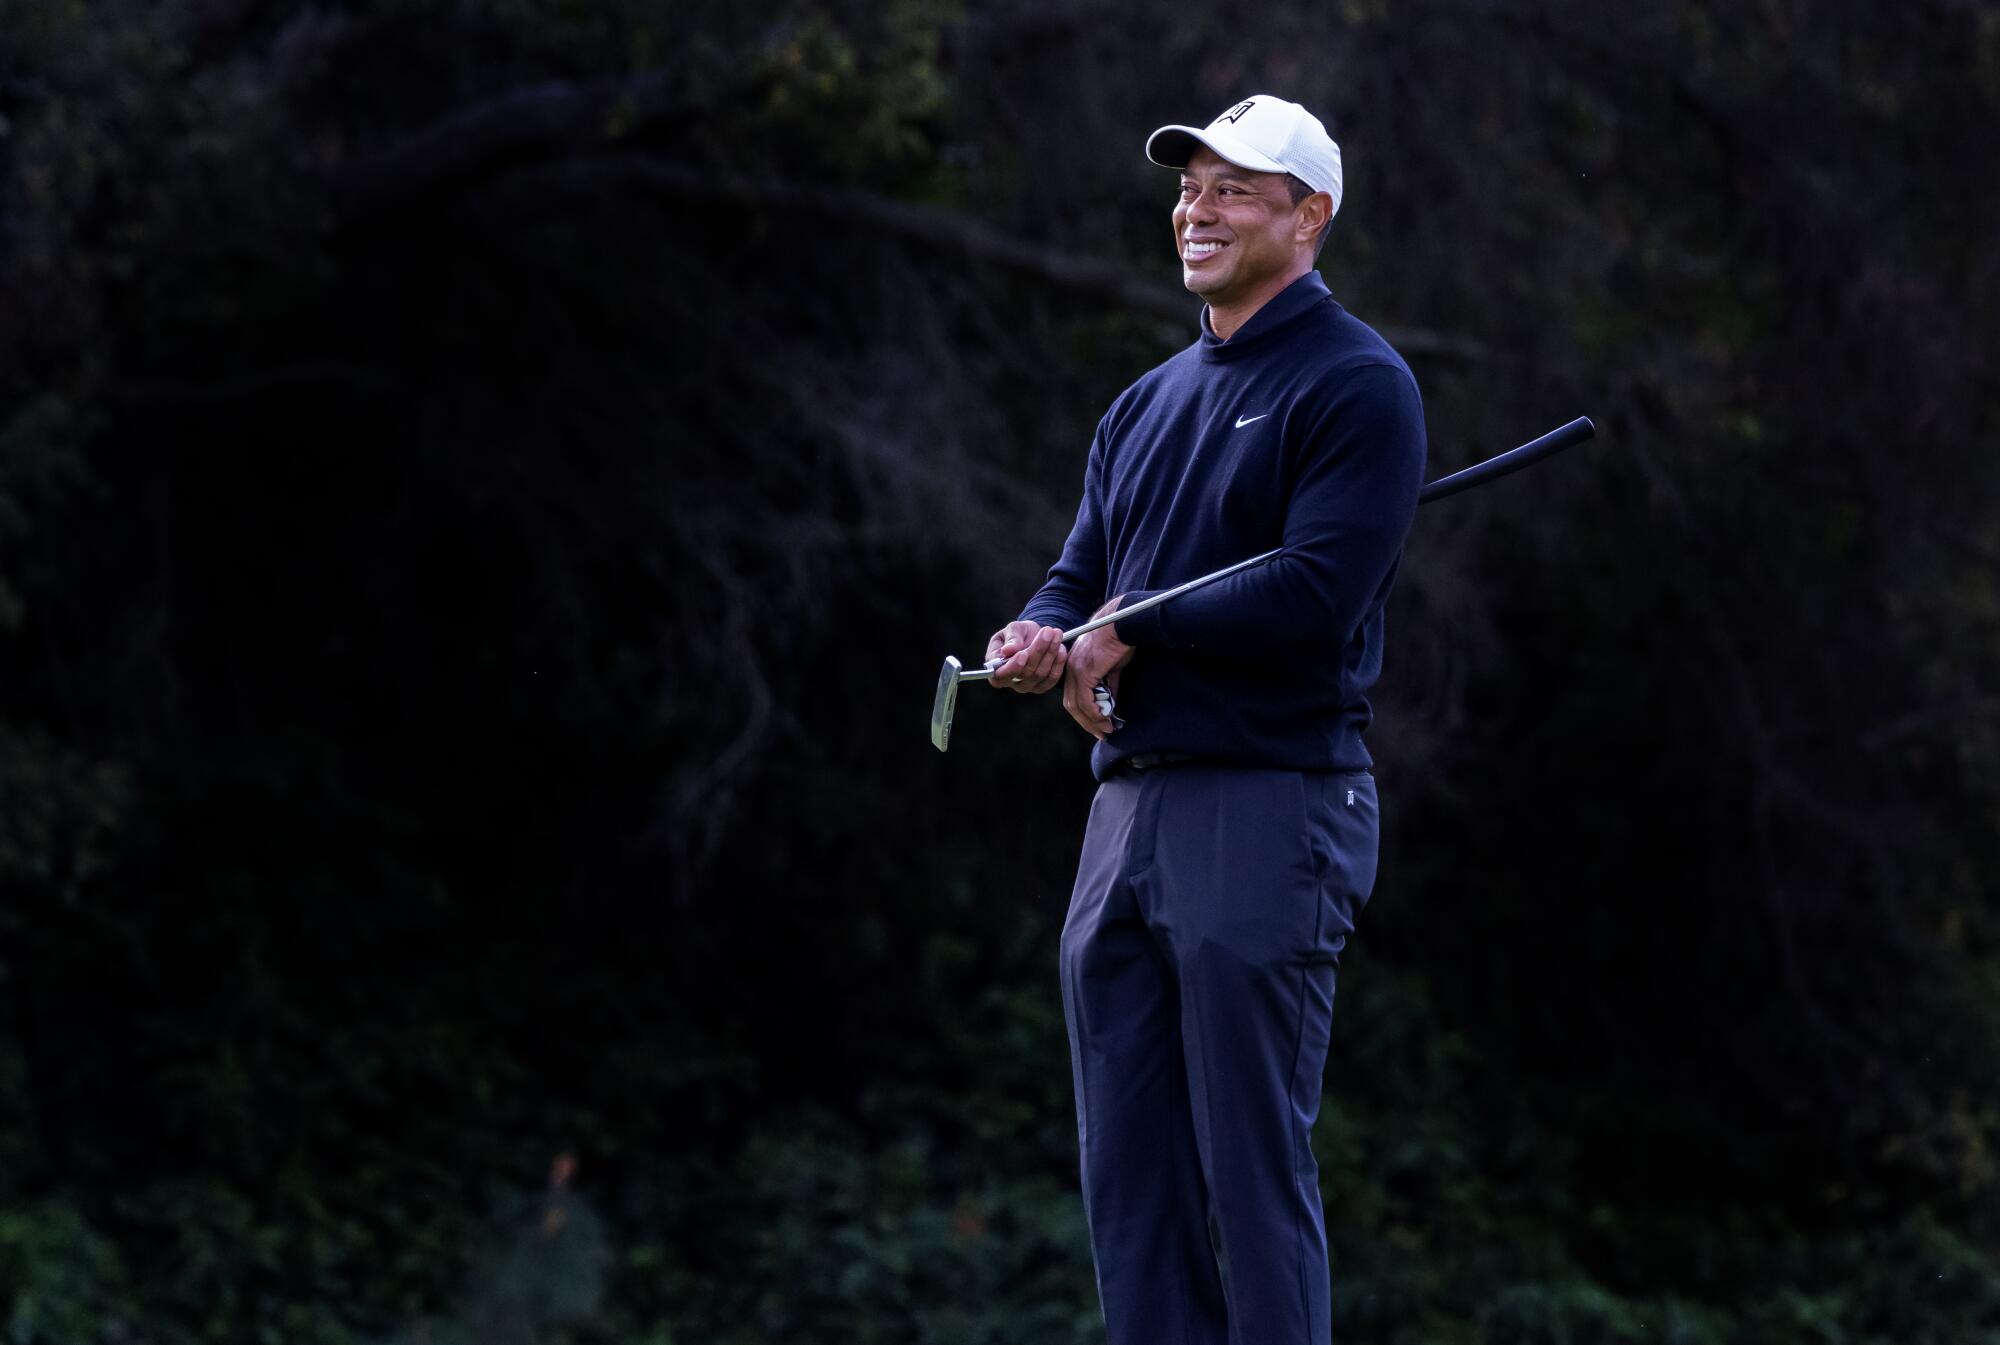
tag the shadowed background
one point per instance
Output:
(484, 491)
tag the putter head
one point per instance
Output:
(944, 703)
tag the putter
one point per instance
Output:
(945, 703)
(954, 672)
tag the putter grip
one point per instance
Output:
(1513, 460)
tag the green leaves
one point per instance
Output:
(60, 819)
(65, 1282)
(483, 491)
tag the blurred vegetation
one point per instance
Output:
(483, 493)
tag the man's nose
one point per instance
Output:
(1201, 208)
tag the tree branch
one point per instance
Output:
(947, 229)
(478, 139)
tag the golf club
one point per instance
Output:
(945, 703)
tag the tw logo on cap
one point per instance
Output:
(1265, 134)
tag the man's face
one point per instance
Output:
(1236, 230)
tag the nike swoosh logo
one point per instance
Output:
(1241, 421)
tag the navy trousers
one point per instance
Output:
(1198, 962)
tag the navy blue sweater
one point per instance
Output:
(1303, 431)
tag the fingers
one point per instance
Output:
(1096, 658)
(1009, 640)
(1049, 663)
(1033, 665)
(1080, 699)
(1042, 663)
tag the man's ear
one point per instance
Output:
(1314, 212)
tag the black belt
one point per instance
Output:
(1152, 761)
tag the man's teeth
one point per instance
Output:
(1202, 249)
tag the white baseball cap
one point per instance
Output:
(1262, 133)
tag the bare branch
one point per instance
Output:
(542, 118)
(482, 137)
(948, 229)
(247, 385)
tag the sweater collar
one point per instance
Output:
(1304, 293)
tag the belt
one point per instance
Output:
(1152, 761)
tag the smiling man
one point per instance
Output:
(1232, 841)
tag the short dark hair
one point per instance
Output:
(1296, 187)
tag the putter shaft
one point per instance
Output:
(945, 703)
(1144, 604)
(1505, 464)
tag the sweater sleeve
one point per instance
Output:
(1076, 582)
(1354, 493)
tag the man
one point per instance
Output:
(1232, 840)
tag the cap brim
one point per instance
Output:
(1173, 146)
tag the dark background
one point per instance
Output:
(485, 489)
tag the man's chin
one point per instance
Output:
(1203, 283)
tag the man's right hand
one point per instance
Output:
(1032, 657)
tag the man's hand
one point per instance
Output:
(1032, 657)
(1096, 657)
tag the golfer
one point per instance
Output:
(1232, 839)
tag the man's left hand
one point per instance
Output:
(1093, 658)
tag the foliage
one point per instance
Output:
(483, 490)
(66, 1281)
